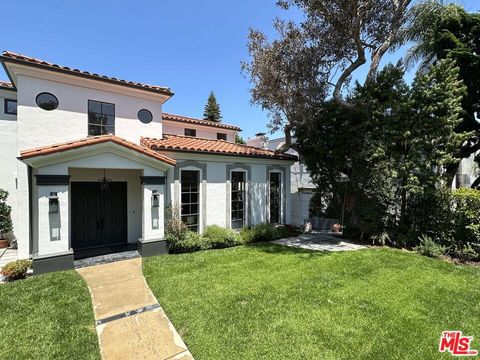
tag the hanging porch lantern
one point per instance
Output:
(104, 182)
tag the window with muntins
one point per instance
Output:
(101, 118)
(275, 197)
(190, 132)
(221, 136)
(190, 198)
(238, 199)
(10, 107)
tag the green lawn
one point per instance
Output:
(272, 302)
(47, 317)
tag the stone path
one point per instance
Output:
(320, 242)
(130, 322)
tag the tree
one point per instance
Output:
(5, 210)
(447, 31)
(293, 75)
(212, 109)
(393, 145)
(239, 139)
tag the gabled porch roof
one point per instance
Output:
(93, 141)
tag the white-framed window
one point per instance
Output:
(190, 199)
(275, 196)
(238, 199)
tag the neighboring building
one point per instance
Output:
(467, 172)
(91, 164)
(301, 185)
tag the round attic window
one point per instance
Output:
(47, 101)
(145, 116)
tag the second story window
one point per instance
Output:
(101, 118)
(190, 132)
(10, 107)
(221, 136)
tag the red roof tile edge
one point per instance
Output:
(51, 149)
(181, 118)
(6, 85)
(229, 148)
(27, 60)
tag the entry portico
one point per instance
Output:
(95, 195)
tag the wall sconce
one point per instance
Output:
(155, 199)
(53, 203)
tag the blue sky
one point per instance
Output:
(191, 46)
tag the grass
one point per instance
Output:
(47, 317)
(271, 302)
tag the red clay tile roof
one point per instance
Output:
(184, 119)
(6, 85)
(9, 56)
(51, 149)
(210, 146)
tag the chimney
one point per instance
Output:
(260, 140)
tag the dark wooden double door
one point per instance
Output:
(98, 215)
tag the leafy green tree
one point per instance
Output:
(447, 31)
(392, 145)
(239, 139)
(293, 75)
(5, 210)
(212, 109)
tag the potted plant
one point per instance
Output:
(5, 219)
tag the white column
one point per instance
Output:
(53, 228)
(153, 217)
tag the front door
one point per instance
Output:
(99, 216)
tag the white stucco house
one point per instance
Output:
(301, 184)
(92, 163)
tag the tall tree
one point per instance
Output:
(393, 144)
(315, 59)
(212, 109)
(442, 31)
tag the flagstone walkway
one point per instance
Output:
(130, 322)
(320, 242)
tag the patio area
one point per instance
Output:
(320, 242)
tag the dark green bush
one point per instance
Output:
(265, 232)
(187, 243)
(217, 237)
(5, 211)
(466, 221)
(428, 247)
(16, 269)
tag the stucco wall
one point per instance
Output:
(8, 148)
(217, 186)
(178, 128)
(38, 127)
(216, 194)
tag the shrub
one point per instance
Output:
(263, 232)
(5, 210)
(16, 269)
(188, 242)
(428, 247)
(466, 222)
(218, 237)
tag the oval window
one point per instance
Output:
(145, 116)
(47, 101)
